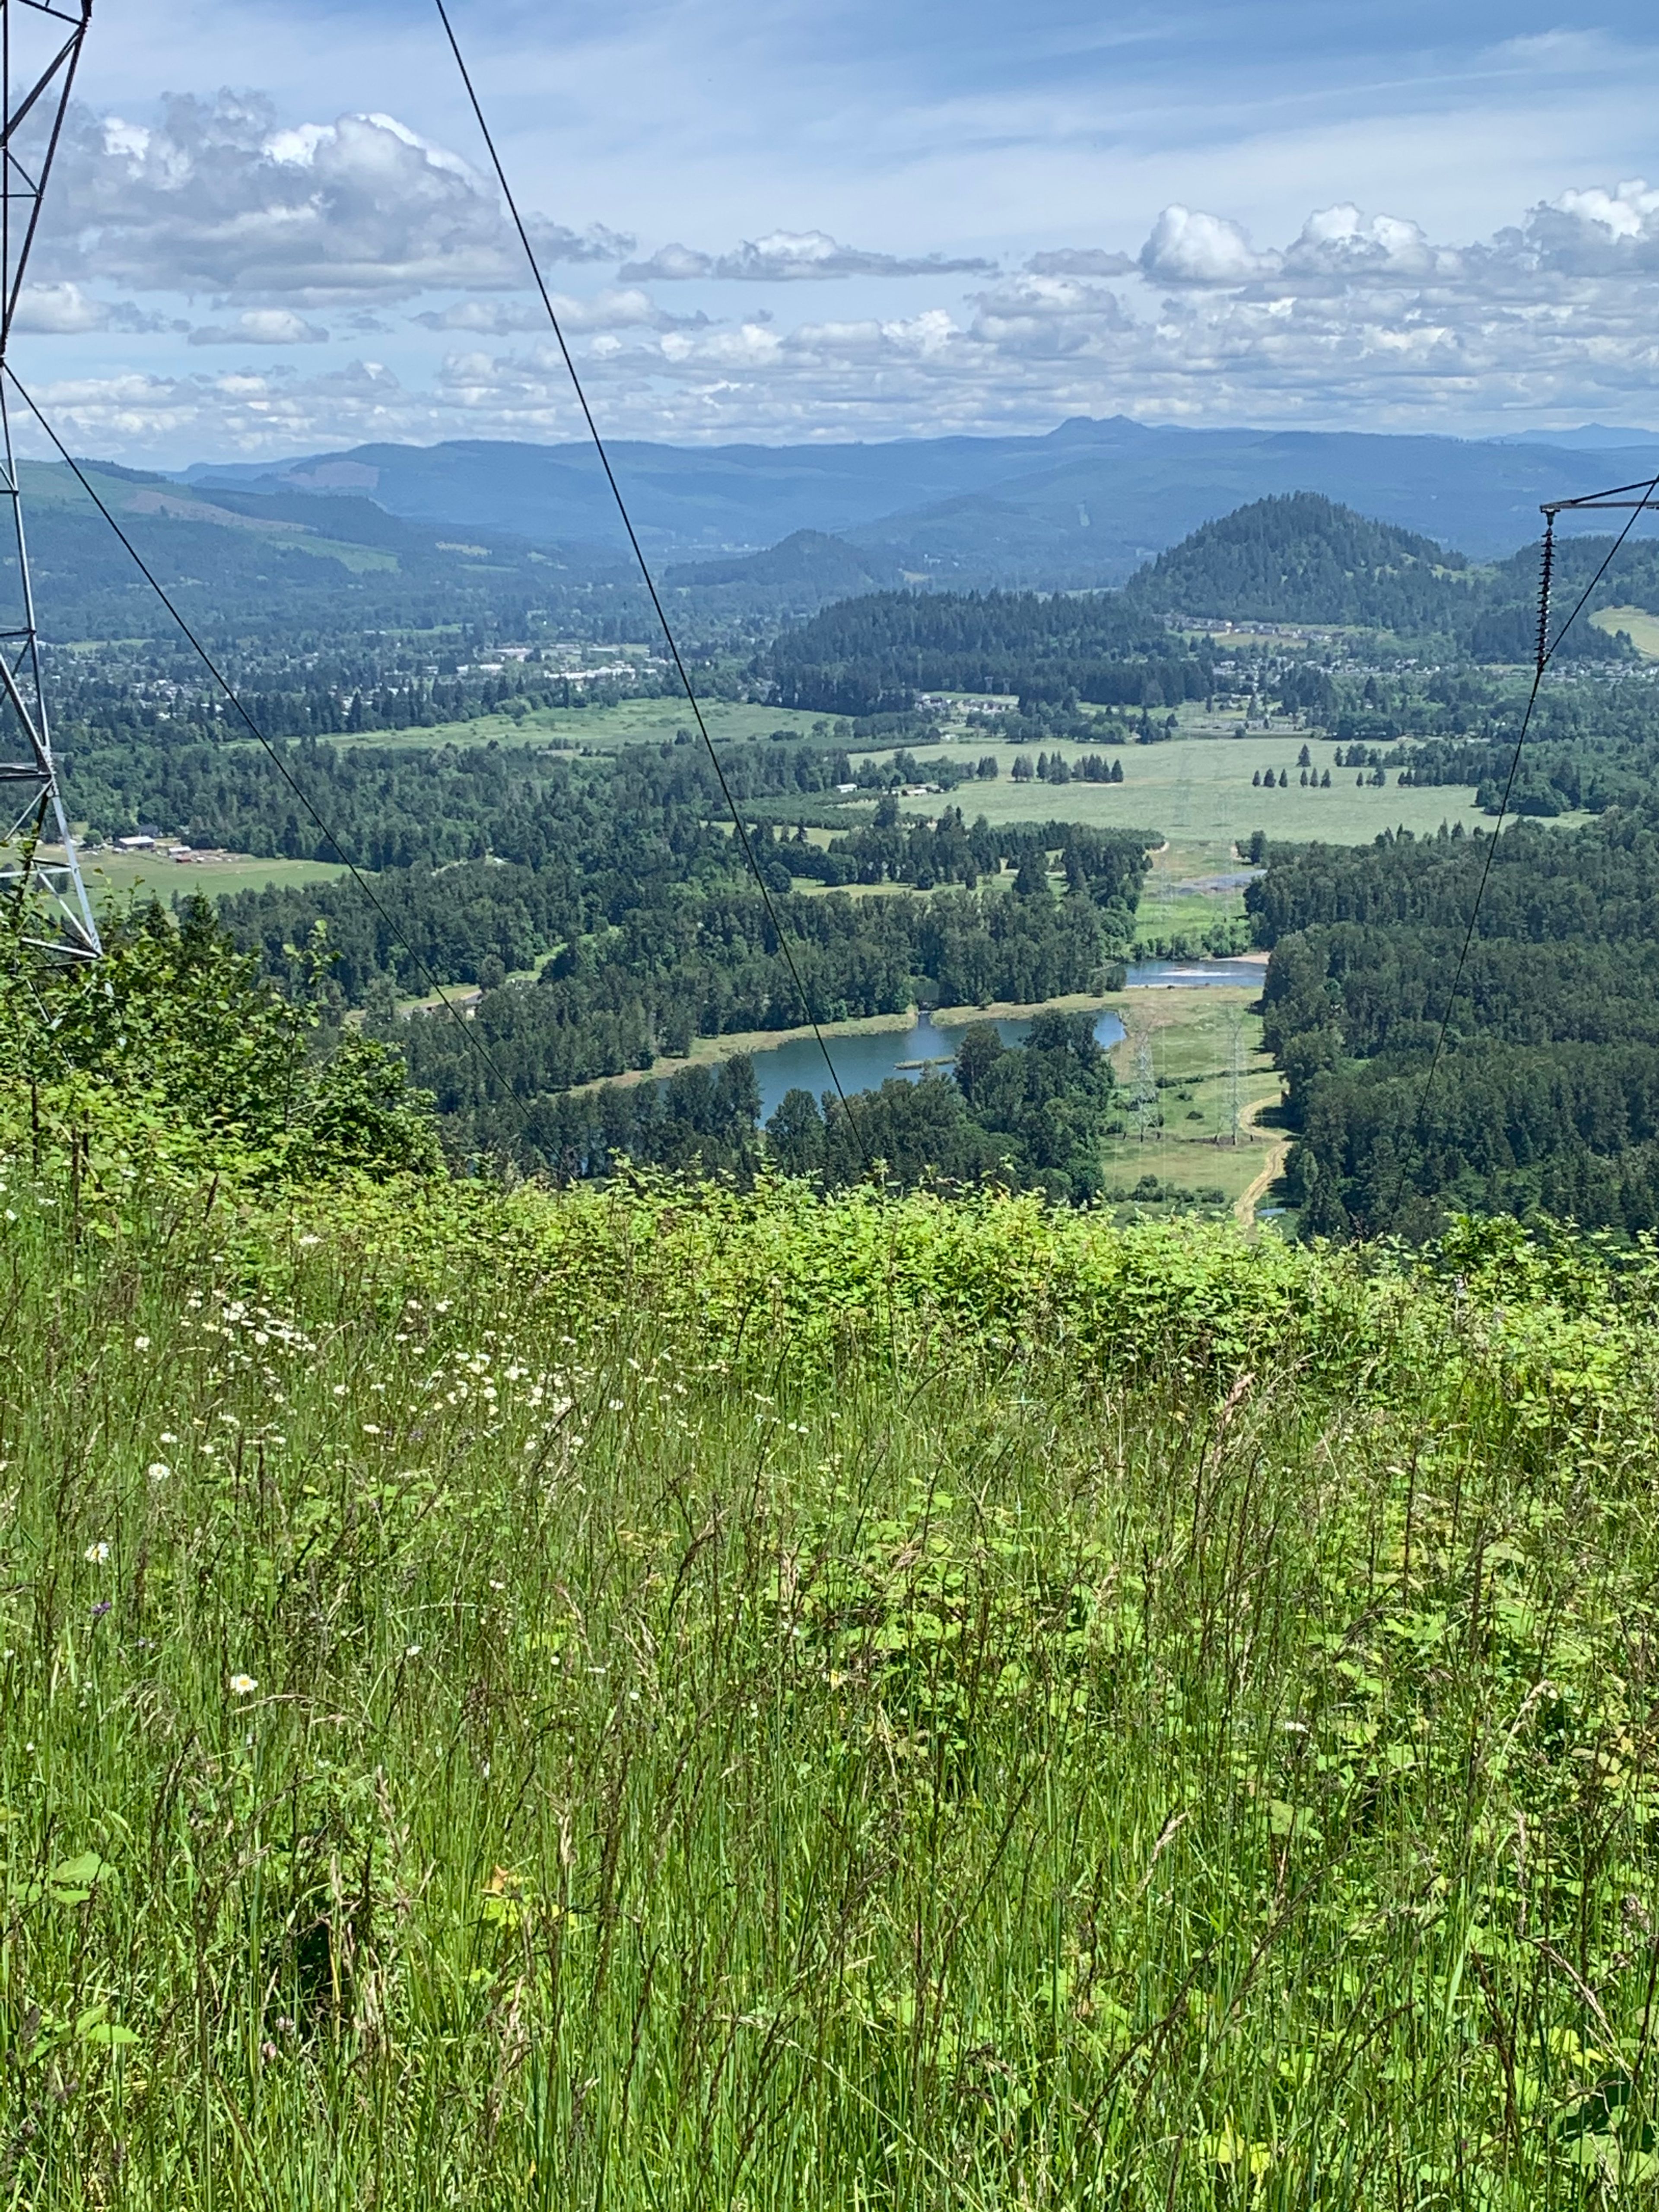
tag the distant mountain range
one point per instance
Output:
(1084, 506)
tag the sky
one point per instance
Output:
(271, 230)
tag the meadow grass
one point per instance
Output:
(1198, 790)
(1637, 624)
(666, 1699)
(1189, 1143)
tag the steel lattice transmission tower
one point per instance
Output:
(39, 50)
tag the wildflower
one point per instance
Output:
(411, 1651)
(167, 1436)
(97, 1554)
(140, 1344)
(158, 1470)
(101, 1608)
(614, 1405)
(267, 2051)
(371, 1429)
(240, 1685)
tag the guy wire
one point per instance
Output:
(467, 1028)
(644, 566)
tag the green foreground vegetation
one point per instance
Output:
(656, 1695)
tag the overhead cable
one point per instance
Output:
(1546, 650)
(467, 1028)
(644, 566)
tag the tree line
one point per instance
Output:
(1546, 1094)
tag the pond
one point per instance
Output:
(864, 1063)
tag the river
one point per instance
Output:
(864, 1063)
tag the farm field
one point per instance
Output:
(1200, 788)
(1639, 625)
(111, 876)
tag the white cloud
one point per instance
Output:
(218, 197)
(790, 256)
(260, 326)
(1344, 243)
(1363, 317)
(1190, 247)
(66, 310)
(1591, 231)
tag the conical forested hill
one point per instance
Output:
(1304, 558)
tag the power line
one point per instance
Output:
(649, 582)
(1546, 651)
(466, 1029)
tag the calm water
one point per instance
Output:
(864, 1063)
(1149, 974)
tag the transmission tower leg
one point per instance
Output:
(39, 867)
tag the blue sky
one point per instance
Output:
(272, 234)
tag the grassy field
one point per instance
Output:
(523, 1702)
(113, 876)
(1639, 626)
(1199, 789)
(1185, 1039)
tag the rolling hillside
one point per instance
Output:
(1084, 505)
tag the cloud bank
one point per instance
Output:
(1361, 317)
(785, 256)
(218, 197)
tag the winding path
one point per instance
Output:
(1244, 1211)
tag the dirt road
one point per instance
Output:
(1244, 1211)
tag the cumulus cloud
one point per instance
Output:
(1591, 231)
(66, 310)
(785, 257)
(260, 326)
(1344, 243)
(218, 198)
(1190, 247)
(1362, 316)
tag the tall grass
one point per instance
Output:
(497, 1710)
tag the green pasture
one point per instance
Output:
(116, 875)
(1200, 789)
(1638, 624)
(1186, 1138)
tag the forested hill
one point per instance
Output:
(1301, 558)
(874, 653)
